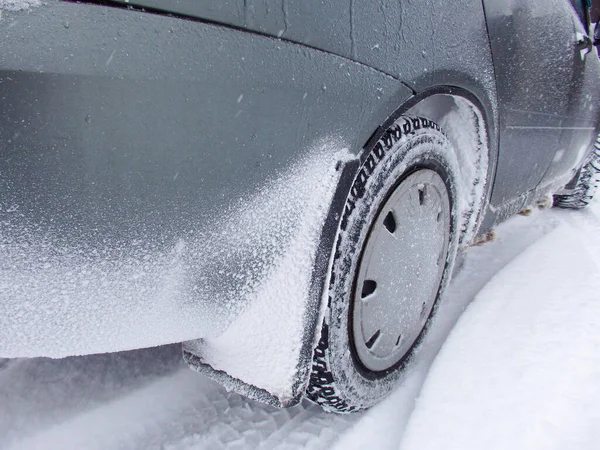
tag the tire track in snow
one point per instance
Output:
(173, 411)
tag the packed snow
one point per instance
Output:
(18, 5)
(518, 368)
(523, 357)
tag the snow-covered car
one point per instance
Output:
(284, 186)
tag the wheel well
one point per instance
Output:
(463, 123)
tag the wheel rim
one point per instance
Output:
(400, 270)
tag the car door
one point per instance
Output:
(533, 47)
(584, 93)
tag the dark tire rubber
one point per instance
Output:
(586, 186)
(338, 381)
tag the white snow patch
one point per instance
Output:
(18, 5)
(521, 367)
(558, 156)
(56, 303)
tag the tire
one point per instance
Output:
(346, 375)
(585, 188)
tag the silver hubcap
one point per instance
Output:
(401, 270)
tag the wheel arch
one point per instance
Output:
(446, 105)
(413, 153)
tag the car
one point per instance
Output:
(283, 186)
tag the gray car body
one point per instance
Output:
(151, 121)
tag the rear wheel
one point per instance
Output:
(394, 250)
(587, 184)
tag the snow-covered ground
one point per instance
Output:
(519, 368)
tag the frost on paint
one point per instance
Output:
(18, 5)
(252, 260)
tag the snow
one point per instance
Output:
(18, 5)
(518, 368)
(522, 366)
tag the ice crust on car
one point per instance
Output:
(57, 301)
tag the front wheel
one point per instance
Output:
(395, 246)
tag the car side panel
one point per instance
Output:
(547, 100)
(413, 41)
(539, 92)
(584, 105)
(116, 103)
(122, 130)
(426, 44)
